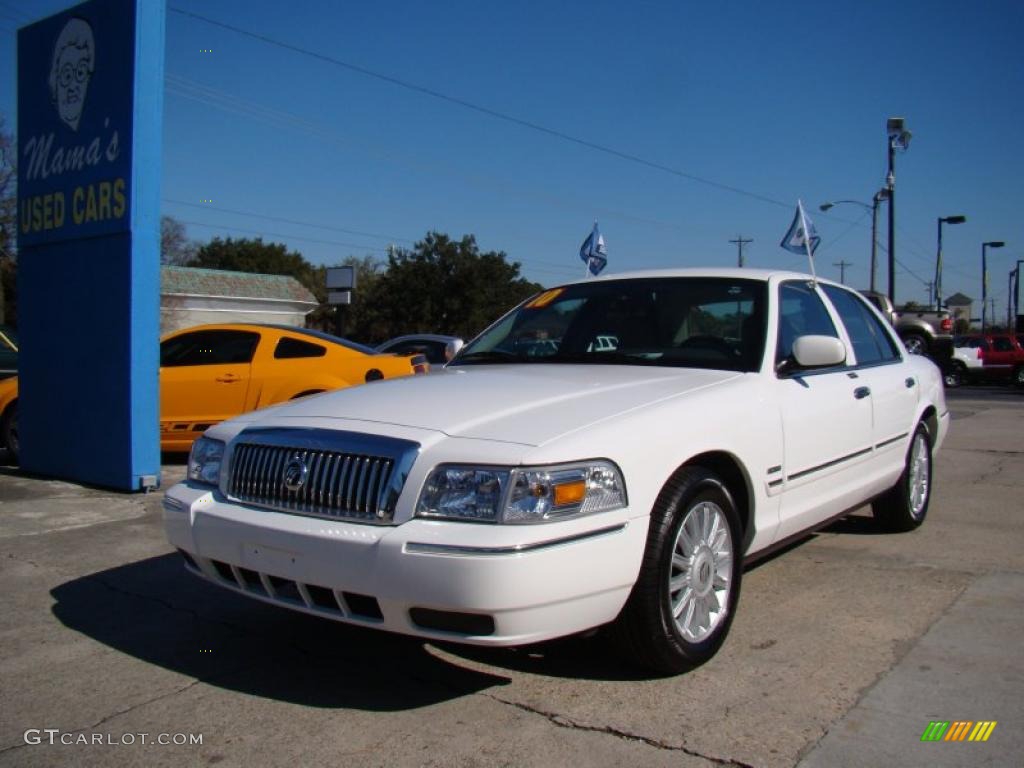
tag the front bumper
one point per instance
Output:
(473, 583)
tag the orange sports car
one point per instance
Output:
(213, 372)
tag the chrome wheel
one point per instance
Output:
(920, 476)
(954, 376)
(916, 345)
(904, 506)
(700, 578)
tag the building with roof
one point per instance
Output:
(190, 296)
(960, 306)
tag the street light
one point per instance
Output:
(938, 256)
(984, 279)
(896, 137)
(880, 195)
(1016, 295)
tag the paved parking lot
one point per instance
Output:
(843, 650)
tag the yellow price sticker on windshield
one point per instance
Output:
(545, 298)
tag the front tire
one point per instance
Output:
(904, 506)
(955, 375)
(683, 602)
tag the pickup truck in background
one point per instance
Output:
(1001, 356)
(923, 331)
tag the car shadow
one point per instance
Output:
(587, 656)
(858, 525)
(153, 610)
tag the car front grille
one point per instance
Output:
(320, 473)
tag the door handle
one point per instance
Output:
(227, 378)
(861, 392)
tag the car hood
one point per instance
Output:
(525, 404)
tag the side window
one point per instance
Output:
(1002, 344)
(288, 348)
(209, 348)
(871, 342)
(801, 313)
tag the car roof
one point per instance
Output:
(419, 337)
(319, 335)
(726, 272)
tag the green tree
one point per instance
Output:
(257, 257)
(442, 285)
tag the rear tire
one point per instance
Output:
(904, 506)
(684, 599)
(1018, 376)
(916, 344)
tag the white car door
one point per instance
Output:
(826, 420)
(893, 385)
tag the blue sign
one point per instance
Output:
(75, 124)
(90, 86)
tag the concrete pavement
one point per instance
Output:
(843, 649)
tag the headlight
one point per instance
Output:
(521, 495)
(204, 461)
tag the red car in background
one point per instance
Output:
(1002, 355)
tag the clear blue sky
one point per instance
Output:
(779, 101)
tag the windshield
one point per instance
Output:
(681, 322)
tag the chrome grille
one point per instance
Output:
(321, 473)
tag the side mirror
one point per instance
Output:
(452, 348)
(818, 351)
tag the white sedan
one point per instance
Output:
(548, 482)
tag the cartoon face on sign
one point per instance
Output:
(74, 58)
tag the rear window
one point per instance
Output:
(288, 348)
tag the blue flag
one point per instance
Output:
(802, 237)
(593, 252)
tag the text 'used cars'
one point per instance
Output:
(610, 452)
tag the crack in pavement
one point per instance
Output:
(112, 715)
(24, 560)
(565, 722)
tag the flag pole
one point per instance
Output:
(586, 265)
(807, 241)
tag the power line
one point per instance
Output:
(548, 268)
(264, 233)
(622, 155)
(229, 103)
(266, 217)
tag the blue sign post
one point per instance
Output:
(90, 108)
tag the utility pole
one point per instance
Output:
(842, 269)
(740, 242)
(930, 288)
